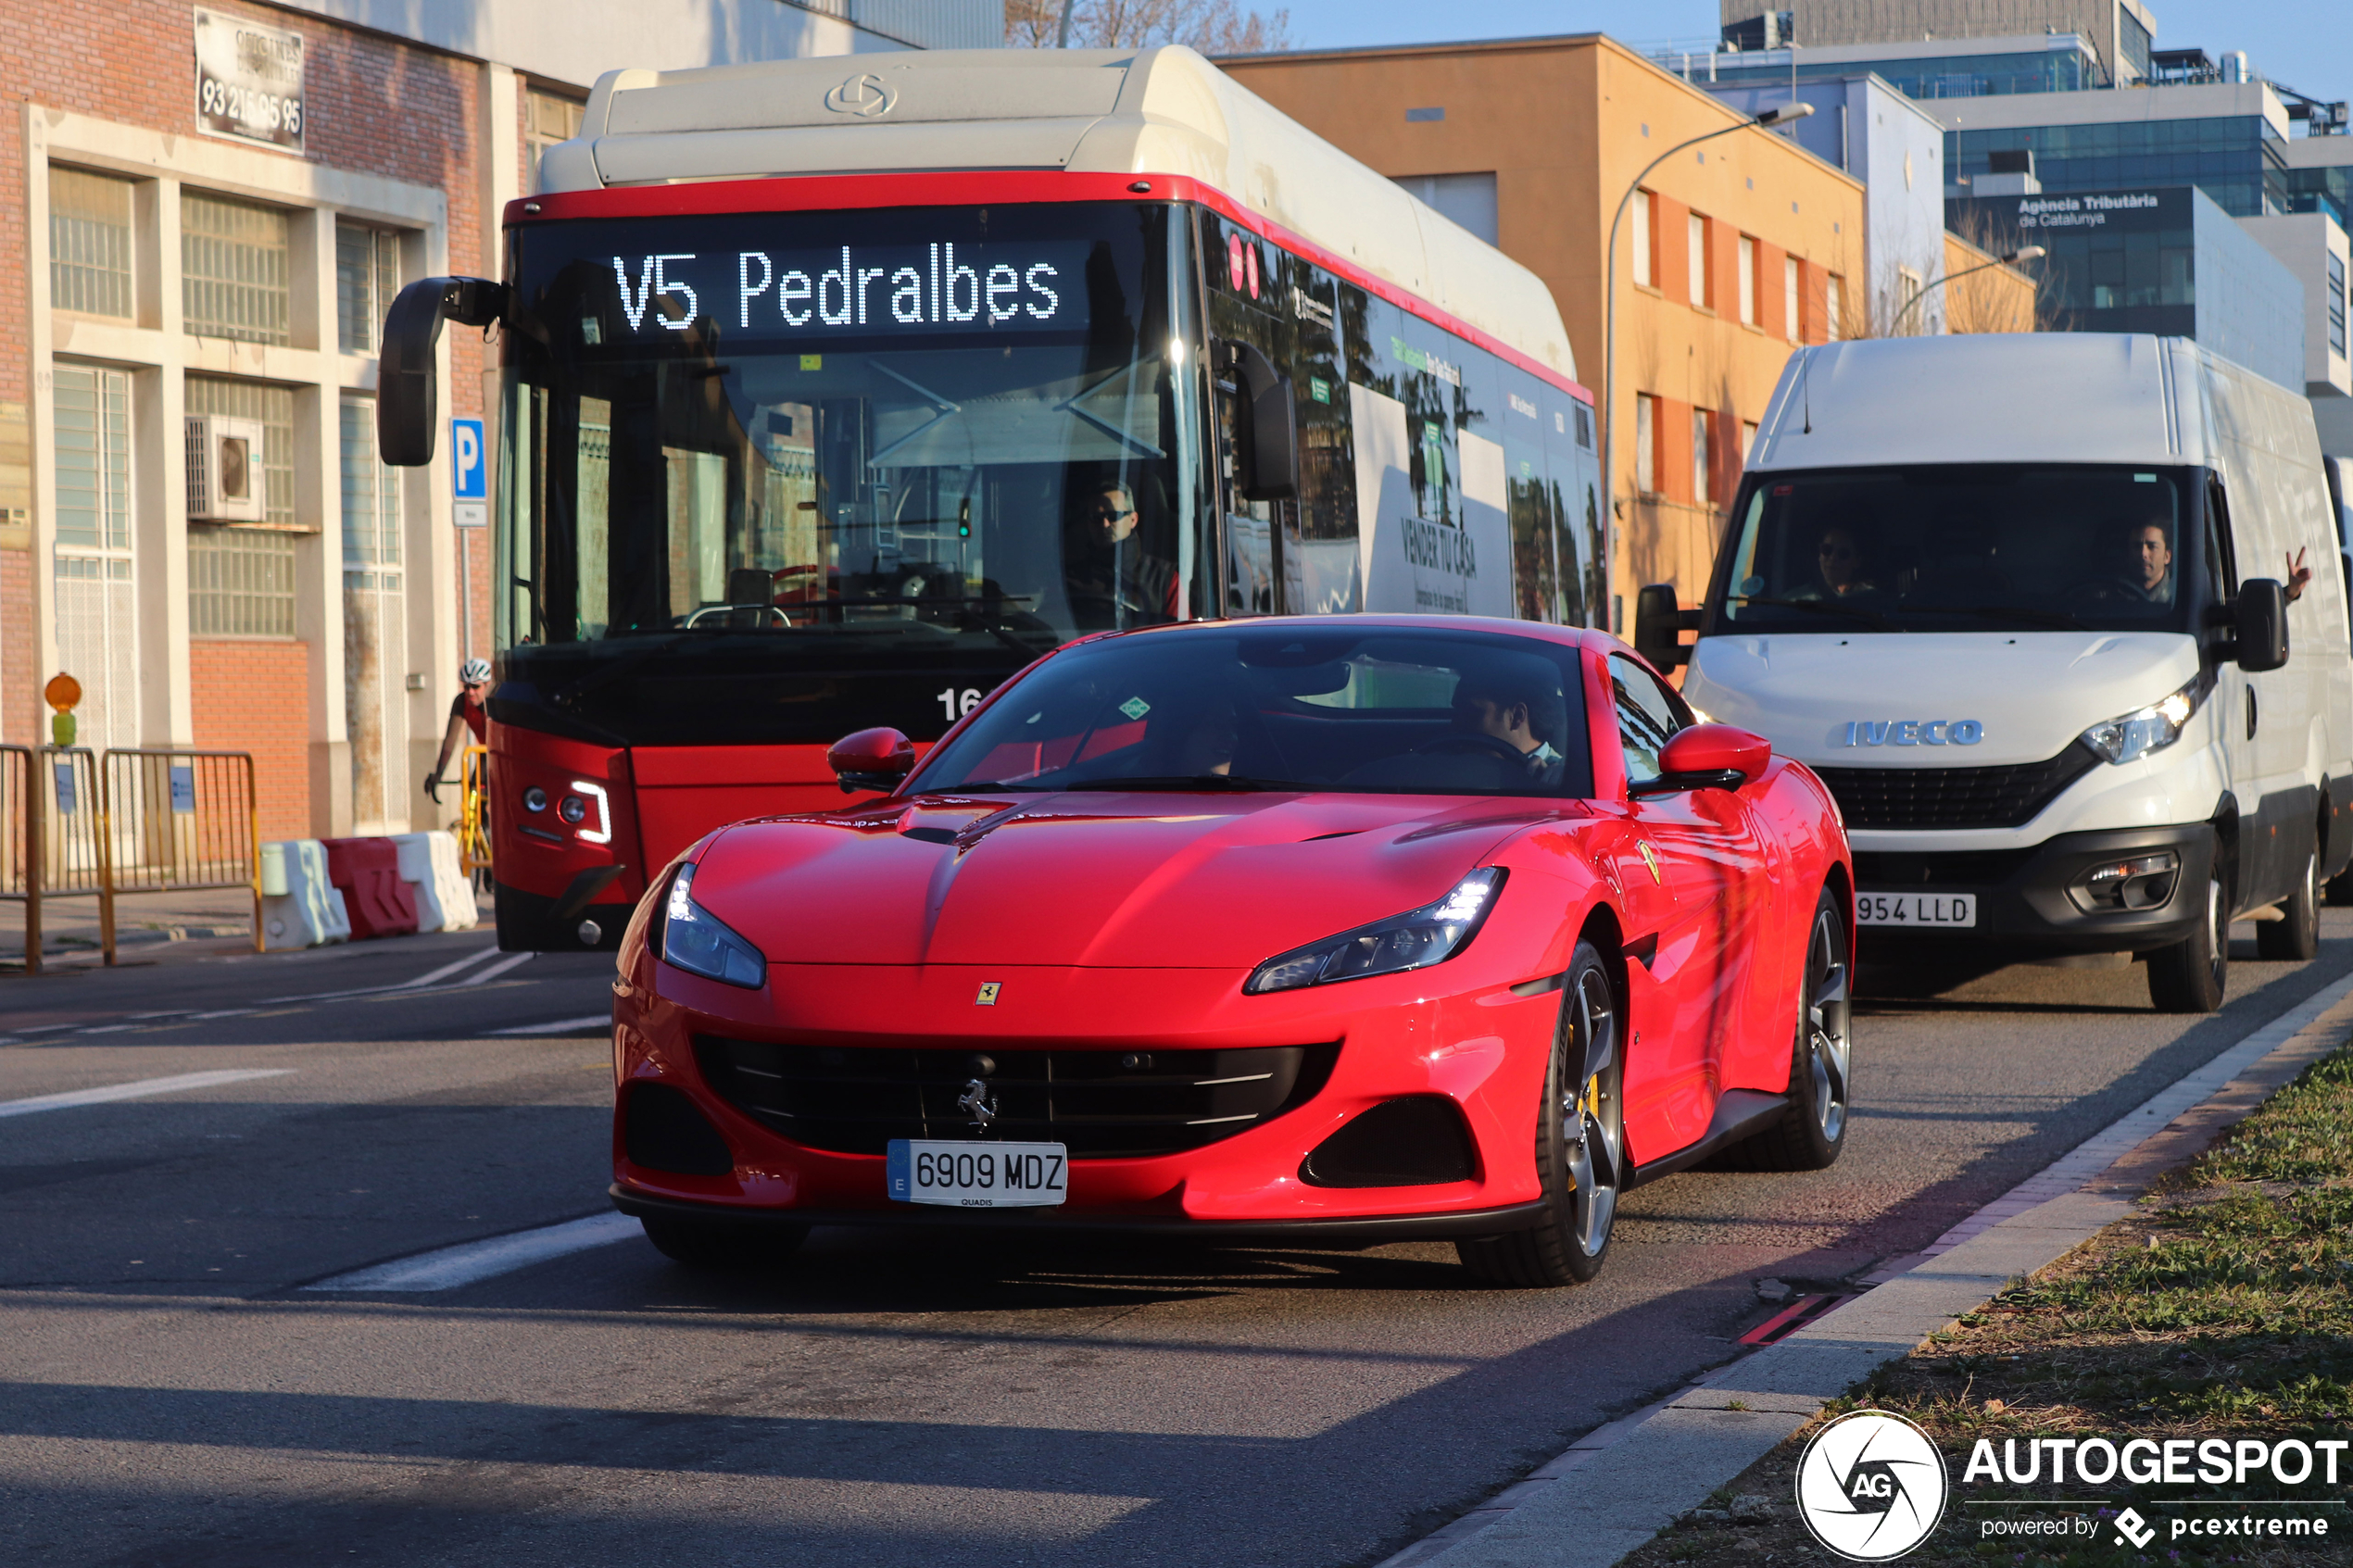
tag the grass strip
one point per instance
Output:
(2224, 1308)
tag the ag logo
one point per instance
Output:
(1870, 1487)
(864, 95)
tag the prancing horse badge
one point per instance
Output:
(988, 997)
(1650, 858)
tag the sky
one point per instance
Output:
(2306, 44)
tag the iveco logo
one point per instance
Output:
(864, 96)
(1915, 731)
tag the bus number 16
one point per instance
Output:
(956, 704)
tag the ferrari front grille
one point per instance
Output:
(1111, 1103)
(1955, 797)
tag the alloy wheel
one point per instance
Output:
(1592, 1118)
(1827, 1016)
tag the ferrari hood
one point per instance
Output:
(1101, 880)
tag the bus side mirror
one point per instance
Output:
(1658, 623)
(405, 391)
(879, 759)
(1269, 468)
(2261, 616)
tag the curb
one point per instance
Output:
(1642, 1471)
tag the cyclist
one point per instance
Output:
(466, 712)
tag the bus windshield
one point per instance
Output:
(1977, 547)
(775, 476)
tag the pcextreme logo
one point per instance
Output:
(1871, 1487)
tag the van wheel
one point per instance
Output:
(2191, 976)
(2296, 937)
(1580, 1146)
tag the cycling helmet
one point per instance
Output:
(473, 671)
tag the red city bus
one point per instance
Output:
(785, 457)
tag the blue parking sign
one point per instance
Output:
(469, 470)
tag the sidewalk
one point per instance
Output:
(221, 918)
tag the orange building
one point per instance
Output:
(1732, 251)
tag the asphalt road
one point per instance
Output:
(170, 1394)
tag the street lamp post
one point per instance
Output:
(1786, 113)
(2008, 259)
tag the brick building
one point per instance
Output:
(210, 208)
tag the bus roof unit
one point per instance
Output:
(1164, 112)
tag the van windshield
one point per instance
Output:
(1967, 548)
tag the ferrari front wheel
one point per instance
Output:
(1580, 1144)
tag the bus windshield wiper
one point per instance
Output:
(1819, 607)
(2058, 620)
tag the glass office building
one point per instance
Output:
(2068, 66)
(2237, 159)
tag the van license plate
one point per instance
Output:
(1916, 909)
(978, 1175)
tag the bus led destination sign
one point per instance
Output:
(941, 286)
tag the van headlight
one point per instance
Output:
(694, 939)
(2146, 729)
(1414, 940)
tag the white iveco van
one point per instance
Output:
(2020, 601)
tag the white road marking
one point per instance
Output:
(451, 1267)
(599, 1021)
(140, 1089)
(494, 971)
(445, 971)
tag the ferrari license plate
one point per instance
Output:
(1933, 910)
(978, 1175)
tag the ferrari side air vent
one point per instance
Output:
(1107, 1103)
(1419, 1141)
(663, 1131)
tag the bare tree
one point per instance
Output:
(1214, 27)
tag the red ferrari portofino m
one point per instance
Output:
(1356, 926)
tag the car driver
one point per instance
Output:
(1490, 704)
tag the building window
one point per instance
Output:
(1703, 487)
(1645, 272)
(1467, 199)
(90, 243)
(367, 276)
(547, 119)
(374, 643)
(1789, 298)
(2337, 304)
(1645, 443)
(1833, 310)
(241, 578)
(1702, 284)
(1748, 440)
(96, 603)
(240, 582)
(234, 269)
(274, 407)
(1748, 279)
(370, 492)
(1909, 317)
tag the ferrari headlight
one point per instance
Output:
(691, 937)
(1414, 940)
(2146, 729)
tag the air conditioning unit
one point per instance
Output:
(224, 470)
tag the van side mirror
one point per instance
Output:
(406, 404)
(1709, 757)
(1657, 622)
(1267, 468)
(879, 759)
(2261, 617)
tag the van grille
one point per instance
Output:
(1108, 1103)
(1955, 797)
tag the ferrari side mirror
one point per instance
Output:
(879, 759)
(1709, 757)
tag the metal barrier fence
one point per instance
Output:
(77, 822)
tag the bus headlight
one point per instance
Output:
(2149, 729)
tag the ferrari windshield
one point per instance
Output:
(1375, 709)
(1972, 548)
(770, 476)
